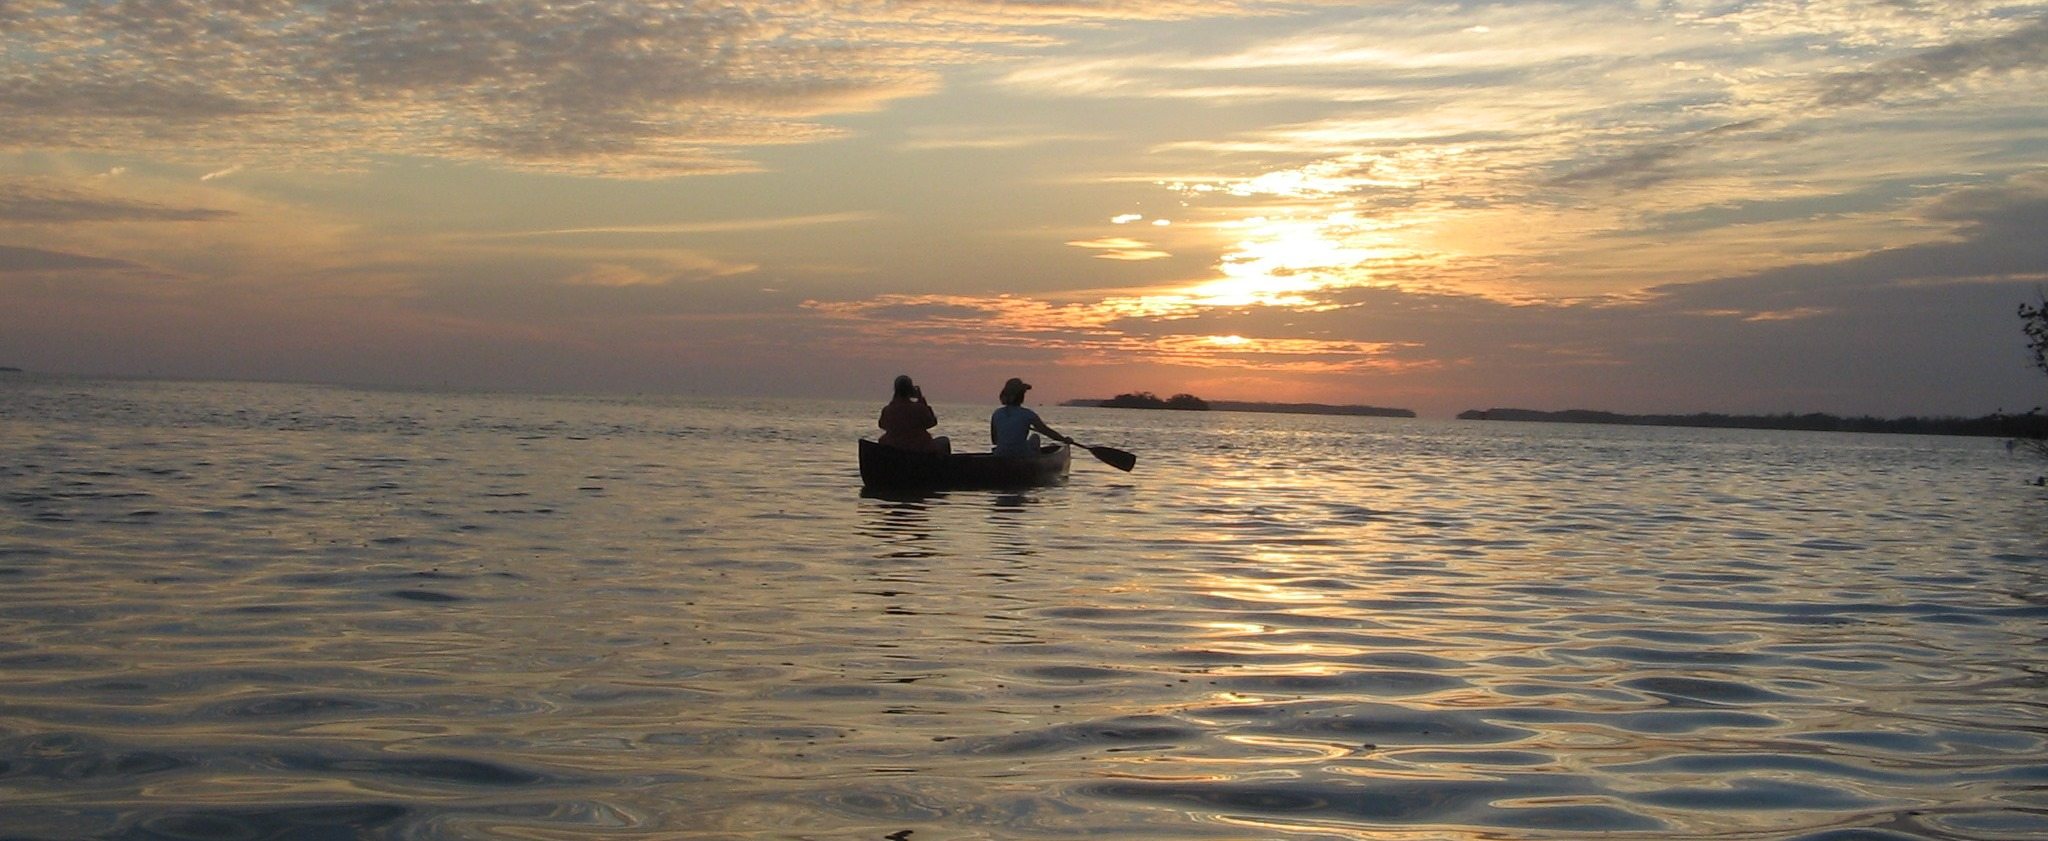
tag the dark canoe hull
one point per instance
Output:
(888, 467)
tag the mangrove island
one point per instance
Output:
(1189, 402)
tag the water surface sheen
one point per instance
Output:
(240, 611)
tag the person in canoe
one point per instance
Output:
(1012, 426)
(907, 421)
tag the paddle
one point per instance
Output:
(1110, 455)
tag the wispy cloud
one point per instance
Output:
(722, 226)
(1994, 239)
(1081, 333)
(26, 201)
(614, 274)
(1121, 248)
(20, 259)
(983, 140)
(2022, 49)
(622, 87)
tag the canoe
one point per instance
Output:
(891, 468)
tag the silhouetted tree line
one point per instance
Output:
(1309, 409)
(2000, 425)
(1148, 400)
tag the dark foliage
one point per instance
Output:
(1148, 400)
(2034, 320)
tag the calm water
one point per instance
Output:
(233, 611)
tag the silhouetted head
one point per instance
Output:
(1013, 392)
(904, 387)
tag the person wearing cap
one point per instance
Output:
(907, 421)
(1012, 425)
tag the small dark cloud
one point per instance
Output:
(1871, 198)
(1757, 124)
(1636, 169)
(929, 312)
(2017, 208)
(1659, 162)
(14, 258)
(1997, 237)
(31, 203)
(2024, 48)
(98, 96)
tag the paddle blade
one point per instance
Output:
(1115, 458)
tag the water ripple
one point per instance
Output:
(236, 611)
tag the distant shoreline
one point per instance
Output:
(1254, 406)
(1989, 426)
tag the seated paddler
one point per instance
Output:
(1011, 429)
(907, 421)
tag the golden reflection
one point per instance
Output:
(1283, 750)
(1387, 771)
(1276, 644)
(1263, 591)
(1252, 648)
(1236, 627)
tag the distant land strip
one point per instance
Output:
(1187, 402)
(2029, 425)
(1309, 409)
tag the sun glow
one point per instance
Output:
(1291, 239)
(1288, 261)
(1300, 233)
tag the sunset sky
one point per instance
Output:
(1829, 205)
